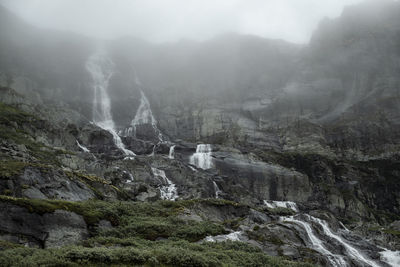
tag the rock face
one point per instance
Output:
(56, 229)
(249, 178)
(52, 185)
(64, 228)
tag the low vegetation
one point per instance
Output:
(160, 253)
(143, 234)
(17, 128)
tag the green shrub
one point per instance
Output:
(164, 253)
(149, 234)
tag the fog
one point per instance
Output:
(171, 20)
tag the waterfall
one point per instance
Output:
(317, 244)
(144, 115)
(281, 204)
(168, 191)
(235, 236)
(391, 257)
(352, 252)
(84, 149)
(216, 190)
(171, 152)
(100, 66)
(202, 158)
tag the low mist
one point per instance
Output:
(171, 20)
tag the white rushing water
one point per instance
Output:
(202, 158)
(168, 191)
(216, 190)
(171, 152)
(272, 204)
(130, 180)
(391, 257)
(235, 236)
(317, 244)
(143, 115)
(84, 149)
(100, 66)
(350, 250)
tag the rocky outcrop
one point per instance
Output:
(56, 229)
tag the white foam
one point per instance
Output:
(352, 251)
(391, 257)
(169, 190)
(171, 152)
(202, 158)
(235, 236)
(272, 204)
(317, 244)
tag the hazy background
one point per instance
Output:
(171, 20)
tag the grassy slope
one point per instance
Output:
(149, 234)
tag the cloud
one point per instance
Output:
(170, 20)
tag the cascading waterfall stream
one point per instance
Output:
(216, 190)
(144, 114)
(168, 191)
(171, 152)
(84, 149)
(202, 158)
(317, 244)
(352, 251)
(335, 260)
(100, 66)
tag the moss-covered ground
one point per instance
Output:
(143, 234)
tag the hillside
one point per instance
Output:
(235, 151)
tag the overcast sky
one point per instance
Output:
(170, 20)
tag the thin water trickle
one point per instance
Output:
(216, 190)
(84, 149)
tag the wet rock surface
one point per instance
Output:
(48, 230)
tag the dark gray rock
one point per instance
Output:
(64, 228)
(55, 229)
